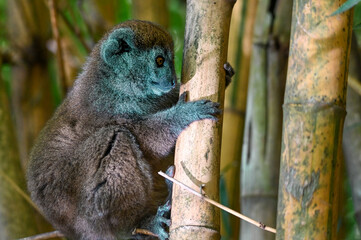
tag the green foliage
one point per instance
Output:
(357, 17)
(6, 77)
(5, 70)
(347, 219)
(74, 17)
(346, 6)
(124, 12)
(54, 84)
(177, 14)
(357, 12)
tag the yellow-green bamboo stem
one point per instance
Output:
(314, 111)
(198, 147)
(239, 51)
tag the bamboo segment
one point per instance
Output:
(314, 112)
(262, 138)
(239, 51)
(198, 147)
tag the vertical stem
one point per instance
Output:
(262, 138)
(239, 52)
(314, 111)
(198, 147)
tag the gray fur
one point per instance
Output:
(93, 170)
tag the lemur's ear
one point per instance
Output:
(118, 42)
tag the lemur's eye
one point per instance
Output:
(160, 61)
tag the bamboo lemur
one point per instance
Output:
(93, 170)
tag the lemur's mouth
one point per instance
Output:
(162, 87)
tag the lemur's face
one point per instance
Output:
(142, 72)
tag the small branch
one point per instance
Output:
(43, 236)
(59, 50)
(241, 216)
(354, 84)
(144, 232)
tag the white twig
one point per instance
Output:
(354, 84)
(237, 214)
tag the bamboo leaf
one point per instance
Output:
(346, 6)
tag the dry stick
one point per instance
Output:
(43, 236)
(144, 232)
(59, 50)
(241, 216)
(354, 84)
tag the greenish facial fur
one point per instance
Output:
(143, 74)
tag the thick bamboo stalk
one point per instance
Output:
(239, 51)
(198, 147)
(314, 111)
(262, 139)
(252, 180)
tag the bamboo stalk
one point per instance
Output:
(198, 147)
(314, 111)
(262, 138)
(239, 51)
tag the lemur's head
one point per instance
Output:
(140, 54)
(130, 70)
